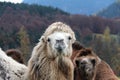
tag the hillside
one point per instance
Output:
(86, 7)
(111, 11)
(36, 18)
(32, 9)
(13, 16)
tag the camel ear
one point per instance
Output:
(89, 50)
(77, 46)
(99, 60)
(42, 39)
(73, 40)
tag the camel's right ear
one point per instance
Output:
(77, 46)
(42, 39)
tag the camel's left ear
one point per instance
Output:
(74, 39)
(98, 60)
(42, 39)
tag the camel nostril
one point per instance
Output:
(93, 61)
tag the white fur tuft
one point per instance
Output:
(10, 69)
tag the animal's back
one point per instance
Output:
(104, 72)
(10, 69)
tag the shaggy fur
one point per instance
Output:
(10, 69)
(16, 55)
(102, 70)
(76, 47)
(86, 65)
(45, 64)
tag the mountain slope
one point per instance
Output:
(33, 17)
(111, 11)
(87, 7)
(36, 19)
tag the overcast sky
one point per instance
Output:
(13, 1)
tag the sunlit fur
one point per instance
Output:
(46, 62)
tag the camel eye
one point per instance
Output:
(77, 63)
(93, 62)
(69, 38)
(48, 40)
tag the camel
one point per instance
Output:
(50, 59)
(82, 56)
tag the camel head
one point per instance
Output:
(86, 61)
(59, 38)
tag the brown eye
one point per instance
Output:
(77, 63)
(48, 40)
(93, 62)
(69, 38)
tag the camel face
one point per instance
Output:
(86, 61)
(86, 64)
(60, 43)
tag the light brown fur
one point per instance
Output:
(102, 72)
(44, 65)
(16, 55)
(80, 74)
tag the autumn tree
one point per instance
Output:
(97, 44)
(115, 58)
(116, 64)
(118, 38)
(102, 44)
(106, 34)
(106, 45)
(24, 43)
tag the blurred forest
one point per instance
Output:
(21, 25)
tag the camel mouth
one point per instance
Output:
(59, 49)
